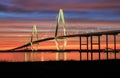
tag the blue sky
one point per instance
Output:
(89, 10)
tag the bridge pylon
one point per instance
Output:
(33, 47)
(60, 17)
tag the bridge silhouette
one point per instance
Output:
(88, 36)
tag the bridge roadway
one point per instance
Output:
(113, 32)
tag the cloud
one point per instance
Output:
(46, 10)
(54, 5)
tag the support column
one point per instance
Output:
(115, 45)
(87, 48)
(107, 45)
(80, 49)
(91, 48)
(99, 46)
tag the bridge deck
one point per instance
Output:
(89, 42)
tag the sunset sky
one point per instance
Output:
(18, 16)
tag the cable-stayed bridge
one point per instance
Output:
(89, 39)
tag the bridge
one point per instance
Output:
(33, 44)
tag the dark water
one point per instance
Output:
(33, 56)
